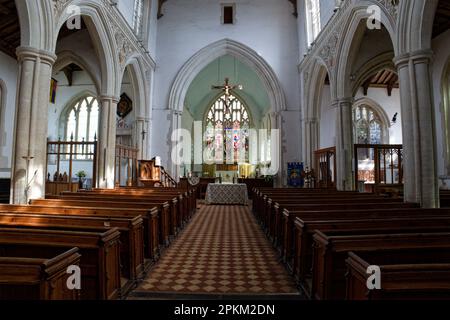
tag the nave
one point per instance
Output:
(221, 253)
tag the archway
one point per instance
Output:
(206, 56)
(363, 54)
(445, 111)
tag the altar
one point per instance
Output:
(217, 193)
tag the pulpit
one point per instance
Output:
(149, 173)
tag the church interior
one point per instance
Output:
(239, 149)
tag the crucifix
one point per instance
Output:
(227, 88)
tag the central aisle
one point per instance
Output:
(221, 252)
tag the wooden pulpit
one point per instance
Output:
(149, 173)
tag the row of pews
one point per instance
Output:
(113, 236)
(328, 239)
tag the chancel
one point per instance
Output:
(261, 149)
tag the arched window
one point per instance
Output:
(368, 126)
(227, 131)
(137, 17)
(313, 25)
(81, 120)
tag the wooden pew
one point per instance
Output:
(361, 210)
(155, 215)
(260, 194)
(269, 201)
(24, 278)
(100, 251)
(275, 230)
(330, 252)
(444, 198)
(169, 228)
(421, 275)
(151, 243)
(305, 229)
(131, 236)
(187, 199)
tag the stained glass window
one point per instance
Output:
(368, 126)
(227, 131)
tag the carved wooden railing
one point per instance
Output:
(325, 168)
(126, 158)
(386, 165)
(166, 179)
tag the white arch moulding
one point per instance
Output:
(207, 55)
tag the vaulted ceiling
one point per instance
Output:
(253, 93)
(9, 28)
(161, 3)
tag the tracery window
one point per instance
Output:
(227, 131)
(81, 120)
(368, 127)
(313, 24)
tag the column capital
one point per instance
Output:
(30, 53)
(420, 56)
(342, 102)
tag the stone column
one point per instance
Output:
(176, 124)
(311, 138)
(277, 152)
(30, 144)
(107, 142)
(344, 144)
(419, 138)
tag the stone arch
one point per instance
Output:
(67, 57)
(3, 97)
(207, 55)
(102, 40)
(313, 91)
(215, 50)
(382, 61)
(415, 25)
(445, 111)
(137, 76)
(36, 24)
(346, 47)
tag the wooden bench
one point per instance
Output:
(368, 211)
(419, 275)
(305, 229)
(156, 232)
(274, 229)
(24, 278)
(330, 252)
(168, 228)
(151, 243)
(100, 254)
(131, 236)
(187, 200)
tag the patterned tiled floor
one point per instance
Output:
(221, 251)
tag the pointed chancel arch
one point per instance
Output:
(215, 50)
(207, 55)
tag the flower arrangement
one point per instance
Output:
(81, 174)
